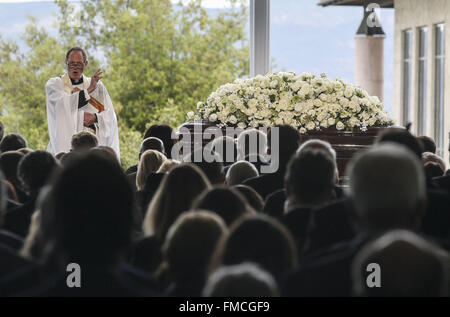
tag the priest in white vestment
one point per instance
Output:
(77, 103)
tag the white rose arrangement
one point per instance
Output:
(304, 101)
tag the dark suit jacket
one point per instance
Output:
(297, 221)
(274, 203)
(327, 275)
(266, 184)
(18, 220)
(443, 182)
(329, 225)
(123, 281)
(10, 262)
(436, 222)
(147, 254)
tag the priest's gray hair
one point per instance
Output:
(242, 280)
(387, 182)
(76, 49)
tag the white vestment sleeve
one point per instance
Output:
(107, 130)
(62, 115)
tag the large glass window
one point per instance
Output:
(439, 87)
(422, 81)
(406, 76)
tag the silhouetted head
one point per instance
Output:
(401, 263)
(150, 162)
(164, 133)
(427, 143)
(239, 172)
(35, 169)
(12, 142)
(261, 240)
(287, 139)
(178, 190)
(387, 188)
(253, 198)
(400, 136)
(190, 243)
(83, 141)
(151, 143)
(93, 212)
(9, 161)
(310, 177)
(226, 202)
(241, 280)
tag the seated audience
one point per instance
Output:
(34, 170)
(96, 236)
(387, 191)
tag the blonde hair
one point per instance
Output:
(168, 165)
(150, 162)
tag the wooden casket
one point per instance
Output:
(345, 143)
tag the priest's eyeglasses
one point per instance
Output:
(75, 65)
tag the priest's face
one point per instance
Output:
(76, 64)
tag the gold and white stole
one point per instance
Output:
(86, 82)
